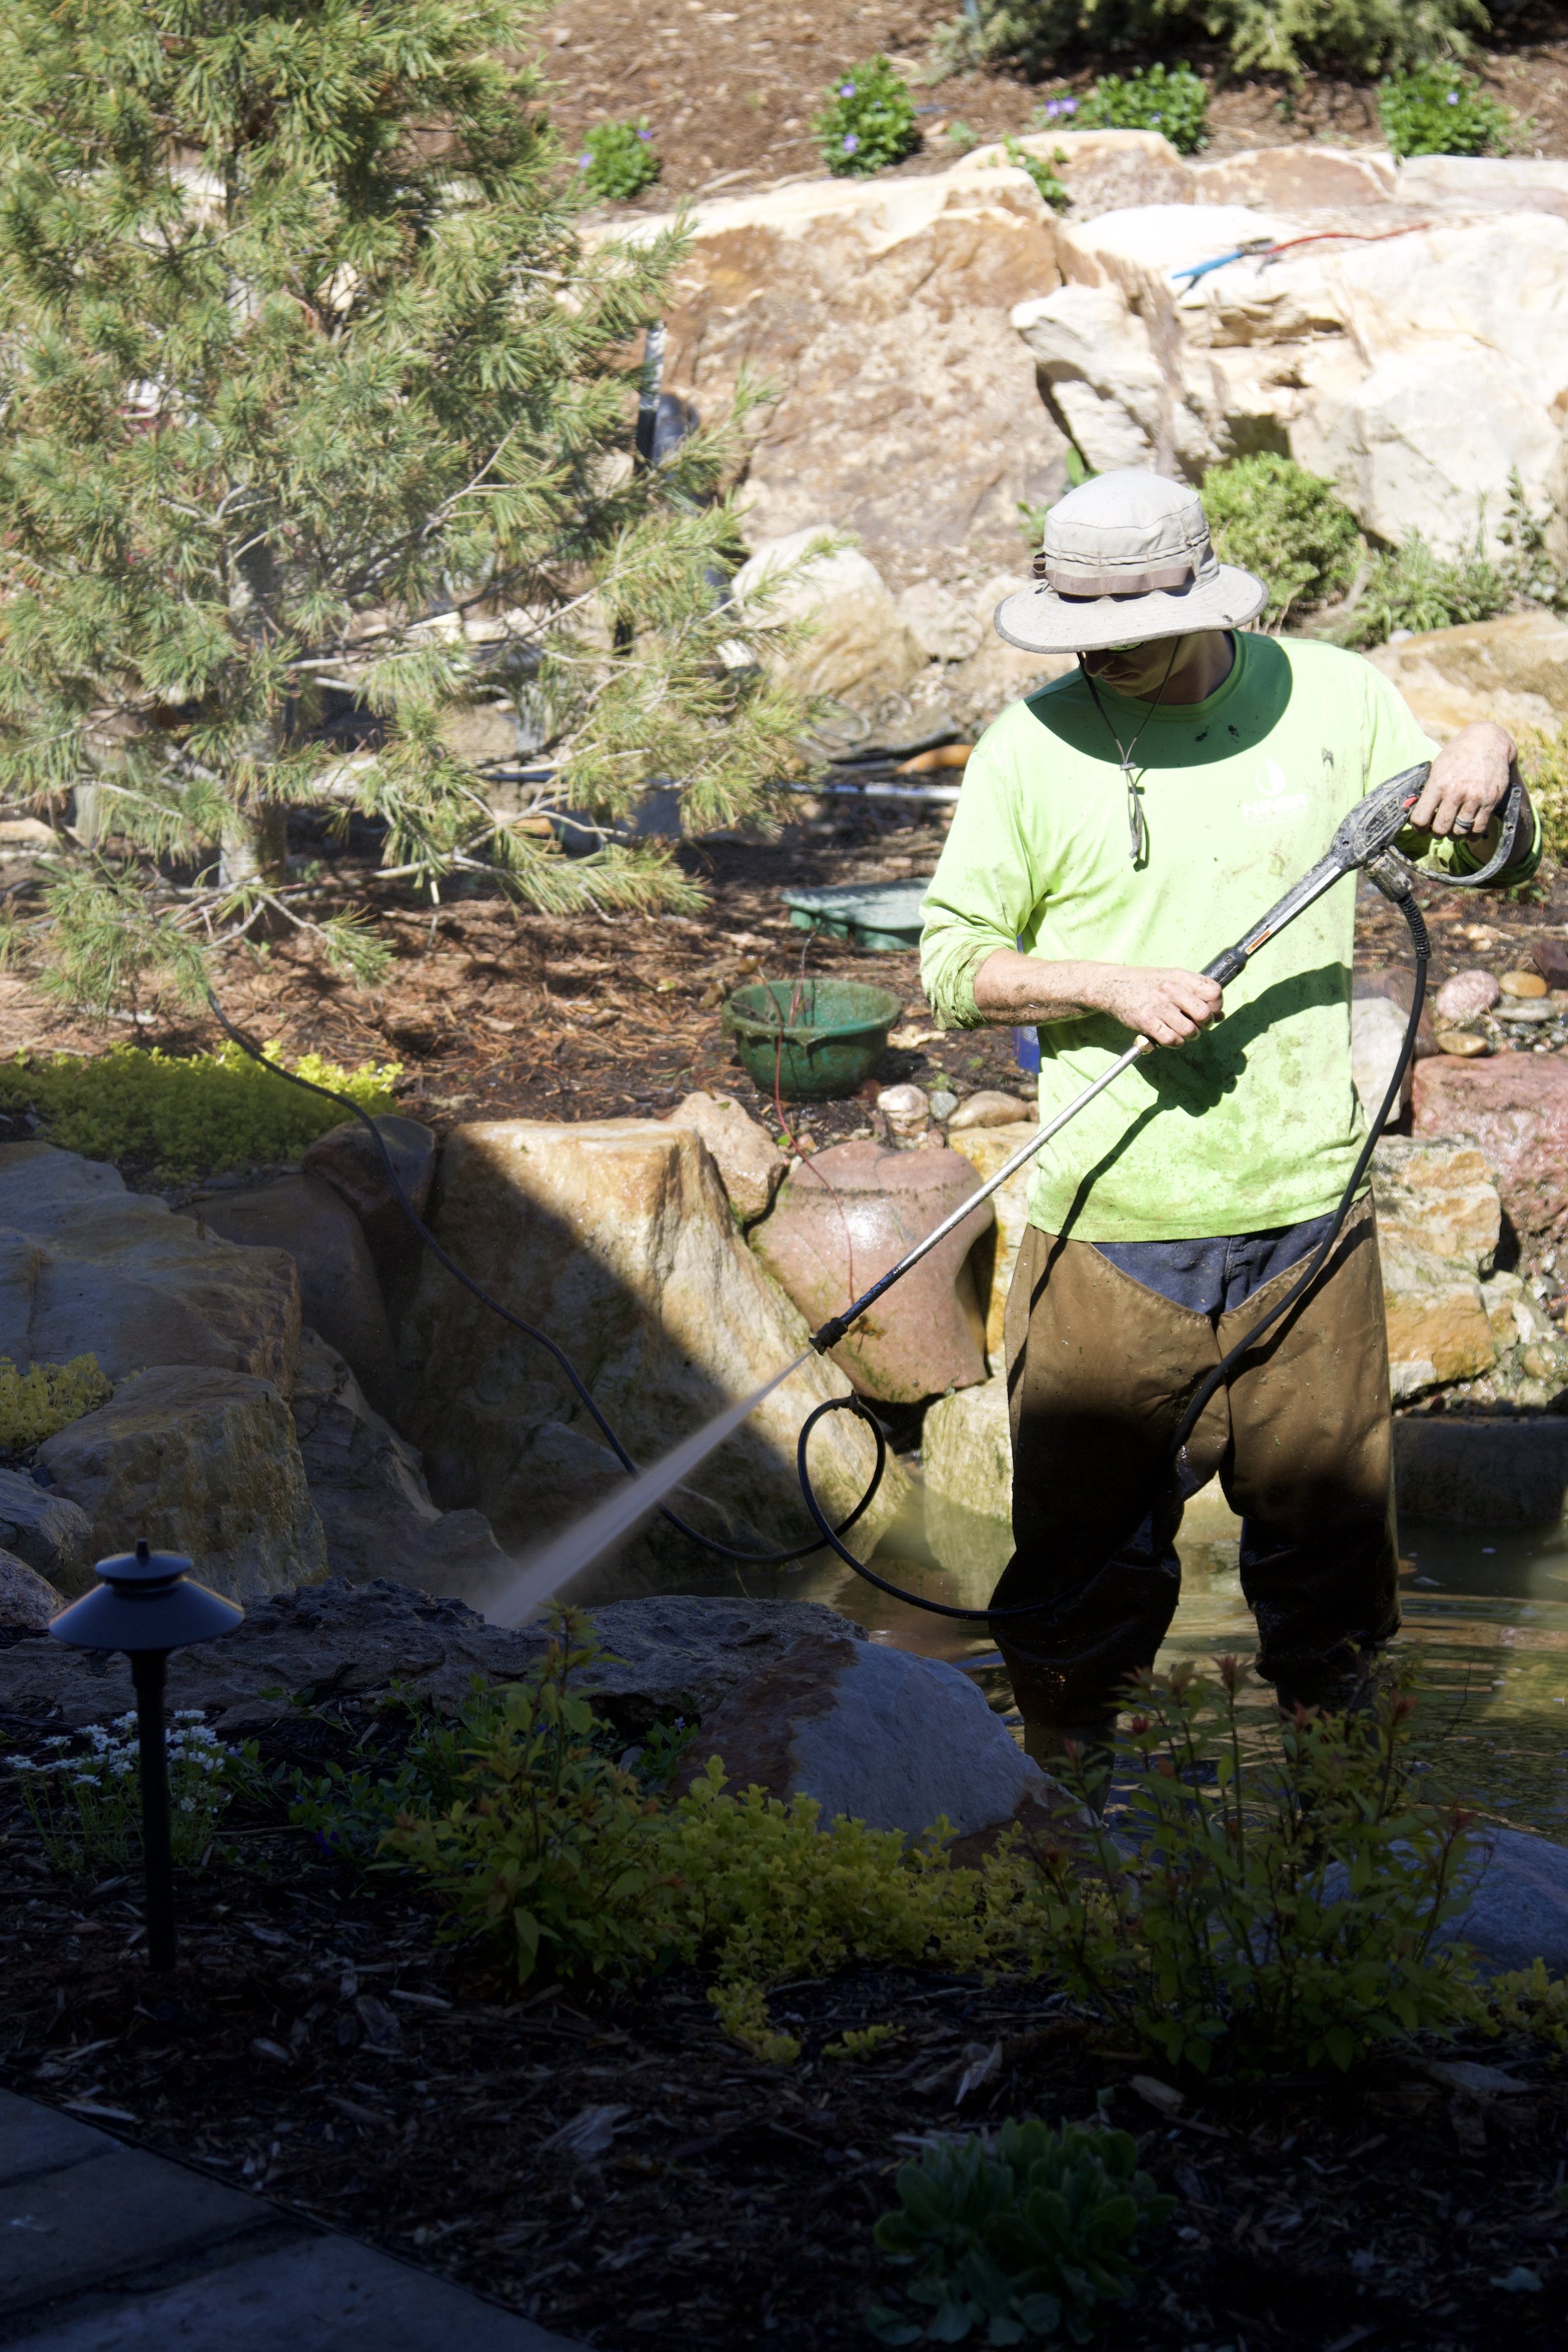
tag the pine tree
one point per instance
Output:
(311, 397)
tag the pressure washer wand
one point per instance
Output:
(1372, 827)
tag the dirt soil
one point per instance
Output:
(729, 93)
(318, 2045)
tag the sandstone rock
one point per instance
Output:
(1486, 183)
(750, 1165)
(1516, 1106)
(873, 1734)
(1465, 996)
(28, 1601)
(679, 1655)
(1296, 179)
(1377, 1040)
(841, 1221)
(880, 307)
(1439, 1327)
(368, 1490)
(1437, 1195)
(942, 625)
(48, 1532)
(88, 1269)
(199, 1462)
(615, 1236)
(856, 646)
(966, 1450)
(347, 1159)
(1514, 669)
(975, 690)
(1481, 1470)
(339, 1294)
(987, 1108)
(1517, 1317)
(1102, 171)
(985, 1148)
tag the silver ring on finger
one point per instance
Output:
(1461, 825)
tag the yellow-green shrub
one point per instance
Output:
(1543, 762)
(35, 1402)
(186, 1116)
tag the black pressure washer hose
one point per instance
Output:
(1364, 842)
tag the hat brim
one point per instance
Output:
(1038, 621)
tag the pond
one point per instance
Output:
(1485, 1609)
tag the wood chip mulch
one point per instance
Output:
(610, 2165)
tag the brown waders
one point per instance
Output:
(1099, 1367)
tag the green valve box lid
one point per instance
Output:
(875, 915)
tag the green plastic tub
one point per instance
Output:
(879, 917)
(813, 1038)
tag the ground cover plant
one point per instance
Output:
(1275, 518)
(183, 1116)
(83, 1793)
(869, 121)
(314, 427)
(1439, 111)
(37, 1399)
(618, 160)
(1170, 100)
(1255, 36)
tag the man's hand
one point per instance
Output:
(1166, 1005)
(1469, 776)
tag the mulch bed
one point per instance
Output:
(318, 2045)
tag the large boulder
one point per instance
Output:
(1419, 371)
(985, 1148)
(614, 1237)
(1518, 1910)
(1102, 171)
(347, 1158)
(1296, 179)
(842, 1219)
(1516, 1107)
(673, 1655)
(750, 1165)
(852, 642)
(88, 1269)
(1514, 670)
(966, 1449)
(339, 1292)
(199, 1462)
(51, 1534)
(28, 1601)
(880, 310)
(873, 1734)
(1470, 183)
(367, 1487)
(1439, 1329)
(1437, 1195)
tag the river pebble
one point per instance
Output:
(1522, 984)
(1464, 995)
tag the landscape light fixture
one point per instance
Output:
(147, 1606)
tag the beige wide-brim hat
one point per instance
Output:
(1126, 558)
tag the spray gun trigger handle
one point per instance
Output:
(1227, 967)
(830, 1335)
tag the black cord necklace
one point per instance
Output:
(1136, 827)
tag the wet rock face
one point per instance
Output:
(676, 1654)
(198, 1462)
(1516, 1107)
(846, 1217)
(614, 1236)
(339, 1294)
(88, 1269)
(895, 1741)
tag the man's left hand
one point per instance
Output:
(1469, 776)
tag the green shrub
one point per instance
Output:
(1441, 111)
(1275, 518)
(186, 1117)
(1543, 763)
(618, 159)
(85, 1801)
(1263, 1912)
(1410, 587)
(1172, 101)
(1044, 179)
(46, 1397)
(1023, 2234)
(869, 121)
(1365, 37)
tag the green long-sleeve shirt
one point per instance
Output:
(1256, 1122)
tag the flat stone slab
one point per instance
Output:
(105, 2248)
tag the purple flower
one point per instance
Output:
(851, 144)
(585, 163)
(845, 90)
(1070, 106)
(645, 134)
(1453, 97)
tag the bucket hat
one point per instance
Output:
(1126, 558)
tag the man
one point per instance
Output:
(1116, 831)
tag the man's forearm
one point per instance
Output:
(1013, 987)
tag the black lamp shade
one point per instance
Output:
(146, 1601)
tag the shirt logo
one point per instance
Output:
(1276, 798)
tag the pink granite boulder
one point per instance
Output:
(1516, 1106)
(841, 1221)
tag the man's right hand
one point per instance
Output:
(1166, 1005)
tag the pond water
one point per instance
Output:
(1485, 1609)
